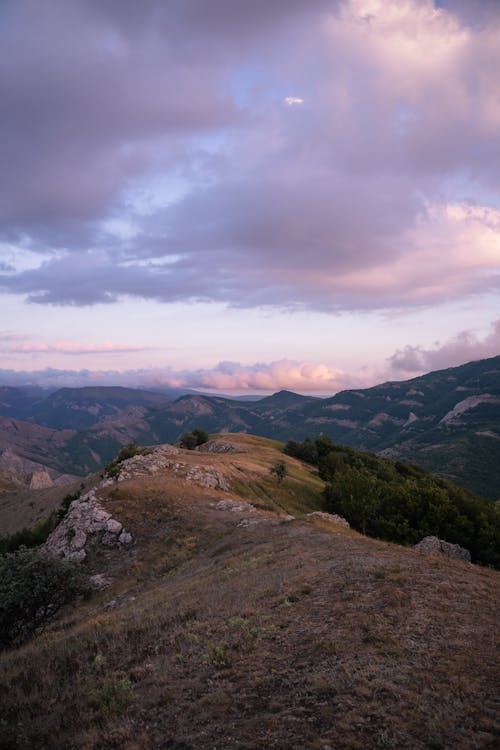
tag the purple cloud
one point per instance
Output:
(464, 347)
(368, 194)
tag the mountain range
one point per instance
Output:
(447, 421)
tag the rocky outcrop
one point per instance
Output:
(40, 480)
(86, 520)
(330, 518)
(431, 545)
(234, 506)
(208, 477)
(162, 458)
(220, 446)
(145, 464)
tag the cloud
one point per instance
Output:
(464, 347)
(225, 377)
(379, 193)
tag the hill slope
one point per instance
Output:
(232, 626)
(447, 421)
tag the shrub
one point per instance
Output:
(128, 451)
(279, 471)
(40, 532)
(401, 502)
(33, 588)
(191, 440)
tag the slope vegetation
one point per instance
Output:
(227, 624)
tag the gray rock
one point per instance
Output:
(220, 446)
(100, 581)
(431, 545)
(330, 517)
(114, 526)
(234, 506)
(125, 538)
(85, 519)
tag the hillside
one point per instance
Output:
(446, 421)
(228, 624)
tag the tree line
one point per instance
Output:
(401, 502)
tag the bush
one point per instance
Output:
(279, 471)
(401, 502)
(33, 588)
(40, 532)
(128, 451)
(191, 440)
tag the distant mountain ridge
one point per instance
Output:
(448, 421)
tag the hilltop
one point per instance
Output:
(226, 623)
(446, 421)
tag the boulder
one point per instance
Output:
(86, 519)
(431, 545)
(330, 517)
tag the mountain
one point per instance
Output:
(446, 421)
(79, 408)
(223, 622)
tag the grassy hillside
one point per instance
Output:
(227, 628)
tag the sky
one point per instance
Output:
(244, 197)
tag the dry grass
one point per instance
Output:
(280, 635)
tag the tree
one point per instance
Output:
(33, 588)
(279, 470)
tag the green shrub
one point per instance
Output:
(128, 451)
(279, 471)
(401, 502)
(40, 532)
(33, 588)
(191, 440)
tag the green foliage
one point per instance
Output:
(128, 451)
(401, 502)
(191, 440)
(306, 450)
(279, 471)
(33, 588)
(40, 532)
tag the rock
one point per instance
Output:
(86, 519)
(431, 545)
(155, 460)
(114, 526)
(330, 517)
(100, 581)
(246, 522)
(40, 480)
(207, 476)
(220, 446)
(234, 506)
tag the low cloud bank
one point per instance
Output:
(464, 347)
(225, 377)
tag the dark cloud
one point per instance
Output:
(172, 117)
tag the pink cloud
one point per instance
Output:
(268, 377)
(225, 377)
